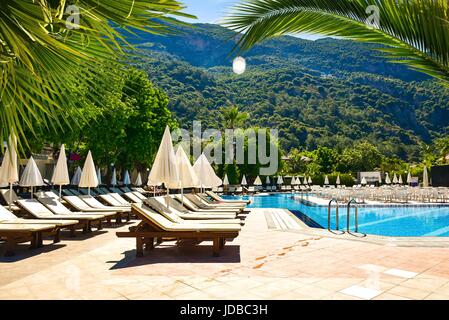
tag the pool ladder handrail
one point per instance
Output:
(329, 215)
(348, 229)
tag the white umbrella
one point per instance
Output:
(338, 182)
(258, 182)
(267, 180)
(294, 181)
(409, 178)
(138, 181)
(114, 178)
(187, 176)
(300, 182)
(425, 179)
(326, 180)
(8, 171)
(126, 178)
(400, 180)
(76, 177)
(99, 176)
(226, 180)
(280, 180)
(395, 179)
(205, 173)
(89, 176)
(31, 176)
(387, 178)
(165, 169)
(310, 180)
(152, 185)
(380, 178)
(61, 173)
(364, 182)
(244, 183)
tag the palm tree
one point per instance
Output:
(411, 32)
(233, 118)
(49, 48)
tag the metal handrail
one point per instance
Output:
(356, 216)
(329, 214)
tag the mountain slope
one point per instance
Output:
(326, 92)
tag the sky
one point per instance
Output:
(208, 11)
(212, 11)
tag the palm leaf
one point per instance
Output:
(42, 60)
(412, 32)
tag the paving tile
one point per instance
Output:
(312, 292)
(389, 296)
(340, 296)
(401, 273)
(436, 296)
(424, 284)
(372, 268)
(410, 293)
(361, 292)
(443, 290)
(266, 265)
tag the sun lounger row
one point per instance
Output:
(386, 194)
(186, 217)
(156, 227)
(48, 214)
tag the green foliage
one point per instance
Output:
(326, 158)
(362, 157)
(345, 179)
(415, 32)
(441, 147)
(233, 172)
(233, 118)
(392, 165)
(45, 55)
(331, 93)
(125, 129)
(251, 165)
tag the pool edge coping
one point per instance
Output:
(430, 242)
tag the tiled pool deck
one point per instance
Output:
(262, 263)
(310, 200)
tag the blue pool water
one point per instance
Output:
(430, 221)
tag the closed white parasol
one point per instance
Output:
(31, 176)
(89, 176)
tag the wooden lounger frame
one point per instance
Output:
(118, 215)
(147, 232)
(14, 237)
(83, 224)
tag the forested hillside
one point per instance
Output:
(327, 92)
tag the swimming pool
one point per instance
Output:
(430, 221)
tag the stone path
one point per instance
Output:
(262, 263)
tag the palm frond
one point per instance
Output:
(412, 32)
(43, 58)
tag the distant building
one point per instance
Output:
(440, 176)
(371, 177)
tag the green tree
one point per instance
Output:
(131, 124)
(45, 53)
(233, 118)
(441, 146)
(326, 159)
(233, 172)
(298, 161)
(362, 157)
